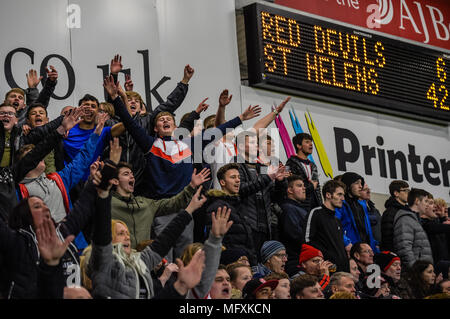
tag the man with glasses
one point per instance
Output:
(399, 191)
(273, 256)
(363, 254)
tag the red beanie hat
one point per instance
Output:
(308, 252)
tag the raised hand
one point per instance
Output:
(200, 178)
(220, 223)
(202, 106)
(189, 276)
(50, 246)
(101, 120)
(26, 129)
(72, 118)
(197, 201)
(224, 98)
(94, 168)
(128, 83)
(115, 150)
(280, 107)
(32, 78)
(250, 112)
(116, 64)
(325, 267)
(282, 173)
(187, 74)
(111, 87)
(52, 74)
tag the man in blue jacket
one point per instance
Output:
(354, 219)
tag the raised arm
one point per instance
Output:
(266, 120)
(224, 100)
(172, 232)
(138, 133)
(213, 250)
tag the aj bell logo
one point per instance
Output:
(382, 13)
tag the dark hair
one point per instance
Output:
(419, 287)
(224, 169)
(331, 186)
(356, 248)
(35, 105)
(416, 193)
(276, 275)
(124, 164)
(20, 217)
(439, 287)
(88, 97)
(301, 282)
(298, 139)
(294, 178)
(396, 186)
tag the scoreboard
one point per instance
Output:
(295, 53)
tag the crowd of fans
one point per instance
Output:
(113, 200)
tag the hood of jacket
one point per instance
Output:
(391, 202)
(406, 212)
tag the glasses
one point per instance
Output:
(281, 256)
(368, 251)
(7, 113)
(405, 190)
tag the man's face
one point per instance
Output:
(244, 275)
(354, 270)
(306, 147)
(123, 237)
(395, 270)
(8, 117)
(282, 291)
(365, 192)
(337, 197)
(440, 210)
(402, 195)
(37, 117)
(312, 266)
(15, 99)
(297, 190)
(446, 287)
(231, 181)
(430, 209)
(422, 205)
(269, 148)
(135, 105)
(221, 287)
(277, 262)
(251, 147)
(264, 293)
(356, 188)
(165, 125)
(125, 182)
(345, 284)
(39, 211)
(314, 292)
(90, 109)
(365, 256)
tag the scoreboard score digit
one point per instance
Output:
(298, 54)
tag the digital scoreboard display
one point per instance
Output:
(295, 53)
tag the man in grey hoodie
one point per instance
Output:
(410, 239)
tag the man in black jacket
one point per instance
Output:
(239, 236)
(293, 221)
(307, 170)
(437, 233)
(324, 231)
(399, 191)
